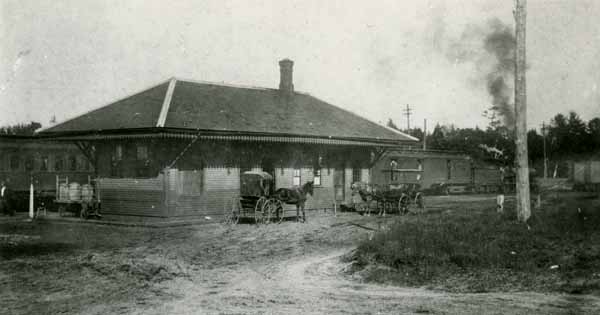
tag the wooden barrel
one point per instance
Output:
(87, 192)
(63, 192)
(74, 191)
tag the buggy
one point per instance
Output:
(256, 200)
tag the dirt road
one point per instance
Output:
(300, 272)
(287, 268)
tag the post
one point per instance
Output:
(521, 156)
(31, 200)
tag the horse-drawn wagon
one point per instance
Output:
(259, 200)
(395, 198)
(256, 199)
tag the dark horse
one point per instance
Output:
(295, 196)
(369, 193)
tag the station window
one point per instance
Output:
(44, 163)
(296, 177)
(356, 175)
(142, 152)
(118, 153)
(317, 177)
(14, 162)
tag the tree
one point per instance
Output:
(577, 133)
(593, 127)
(21, 129)
(391, 124)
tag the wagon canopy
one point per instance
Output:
(256, 183)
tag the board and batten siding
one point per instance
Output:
(219, 186)
(133, 196)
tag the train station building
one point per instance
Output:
(177, 149)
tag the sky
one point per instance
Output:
(63, 58)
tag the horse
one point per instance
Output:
(295, 196)
(369, 193)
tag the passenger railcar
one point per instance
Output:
(25, 160)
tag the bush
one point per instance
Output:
(478, 245)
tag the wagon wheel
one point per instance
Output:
(420, 201)
(279, 210)
(84, 210)
(259, 215)
(403, 204)
(268, 210)
(232, 211)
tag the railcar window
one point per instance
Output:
(1, 161)
(15, 162)
(59, 163)
(44, 163)
(29, 163)
(82, 163)
(72, 163)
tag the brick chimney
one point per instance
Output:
(286, 83)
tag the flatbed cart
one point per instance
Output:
(82, 200)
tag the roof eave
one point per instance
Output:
(158, 130)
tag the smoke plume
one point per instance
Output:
(501, 43)
(492, 48)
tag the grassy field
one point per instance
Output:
(469, 247)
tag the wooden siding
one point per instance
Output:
(220, 186)
(133, 196)
(206, 178)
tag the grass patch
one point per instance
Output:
(474, 249)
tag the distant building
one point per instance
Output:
(177, 149)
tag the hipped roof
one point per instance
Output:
(189, 106)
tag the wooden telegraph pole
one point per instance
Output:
(521, 156)
(545, 158)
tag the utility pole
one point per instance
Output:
(521, 156)
(407, 113)
(425, 134)
(545, 158)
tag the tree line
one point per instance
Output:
(566, 136)
(20, 129)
